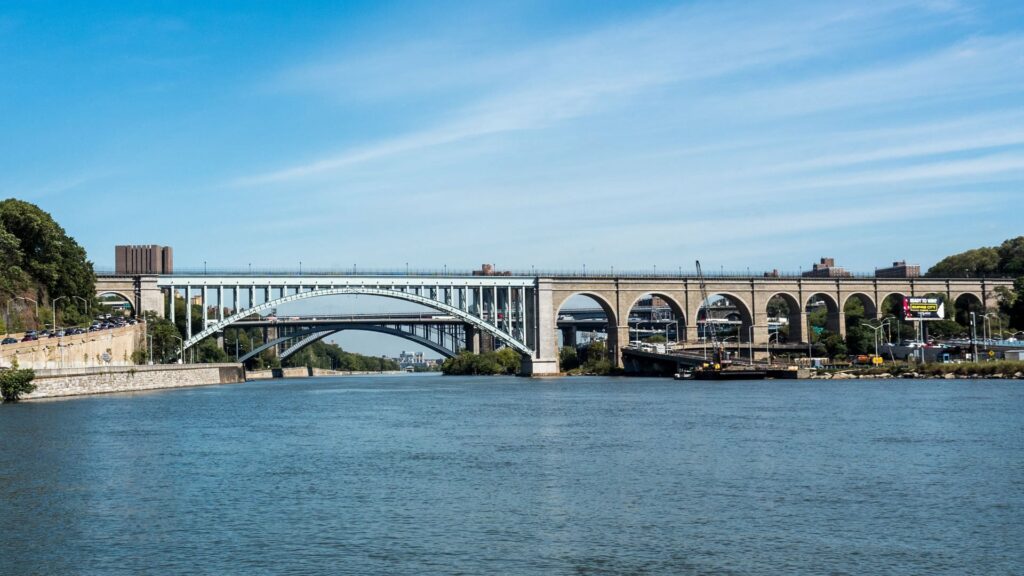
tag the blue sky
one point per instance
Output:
(552, 134)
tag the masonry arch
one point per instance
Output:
(891, 306)
(116, 300)
(581, 318)
(860, 302)
(823, 312)
(654, 314)
(785, 317)
(216, 326)
(725, 316)
(963, 305)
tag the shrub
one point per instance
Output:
(15, 382)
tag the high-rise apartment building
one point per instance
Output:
(150, 259)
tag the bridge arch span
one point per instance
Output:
(216, 326)
(672, 302)
(834, 320)
(318, 333)
(869, 304)
(612, 328)
(795, 318)
(743, 309)
(678, 313)
(129, 299)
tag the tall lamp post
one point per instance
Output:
(84, 301)
(999, 320)
(181, 353)
(54, 304)
(974, 341)
(32, 301)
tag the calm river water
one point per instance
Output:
(429, 474)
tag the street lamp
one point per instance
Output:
(86, 302)
(974, 342)
(54, 304)
(181, 353)
(32, 301)
(998, 319)
(877, 330)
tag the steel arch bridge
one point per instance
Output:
(501, 306)
(447, 342)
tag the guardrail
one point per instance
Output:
(582, 272)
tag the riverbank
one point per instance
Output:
(1006, 370)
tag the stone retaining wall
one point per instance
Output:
(54, 383)
(113, 347)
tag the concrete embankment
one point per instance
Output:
(76, 382)
(112, 347)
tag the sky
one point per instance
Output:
(555, 135)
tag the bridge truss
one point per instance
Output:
(445, 339)
(501, 306)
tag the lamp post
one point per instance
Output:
(877, 329)
(974, 342)
(181, 353)
(34, 302)
(54, 304)
(84, 301)
(998, 319)
(897, 320)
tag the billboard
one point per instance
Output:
(922, 308)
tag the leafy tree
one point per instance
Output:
(14, 382)
(972, 263)
(944, 329)
(567, 358)
(860, 339)
(835, 346)
(47, 255)
(208, 352)
(1011, 257)
(12, 278)
(777, 307)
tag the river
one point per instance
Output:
(424, 474)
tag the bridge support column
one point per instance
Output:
(569, 336)
(616, 342)
(472, 339)
(544, 361)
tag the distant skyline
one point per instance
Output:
(548, 134)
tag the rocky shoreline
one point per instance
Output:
(916, 375)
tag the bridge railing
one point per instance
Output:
(445, 272)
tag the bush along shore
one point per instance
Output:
(997, 370)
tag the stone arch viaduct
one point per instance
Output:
(521, 311)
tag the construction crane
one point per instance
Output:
(716, 346)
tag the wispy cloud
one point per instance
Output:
(538, 87)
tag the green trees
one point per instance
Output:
(330, 356)
(35, 249)
(14, 382)
(972, 263)
(504, 361)
(1005, 260)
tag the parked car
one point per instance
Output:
(9, 340)
(29, 338)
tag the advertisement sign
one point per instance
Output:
(923, 308)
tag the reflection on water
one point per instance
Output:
(422, 474)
